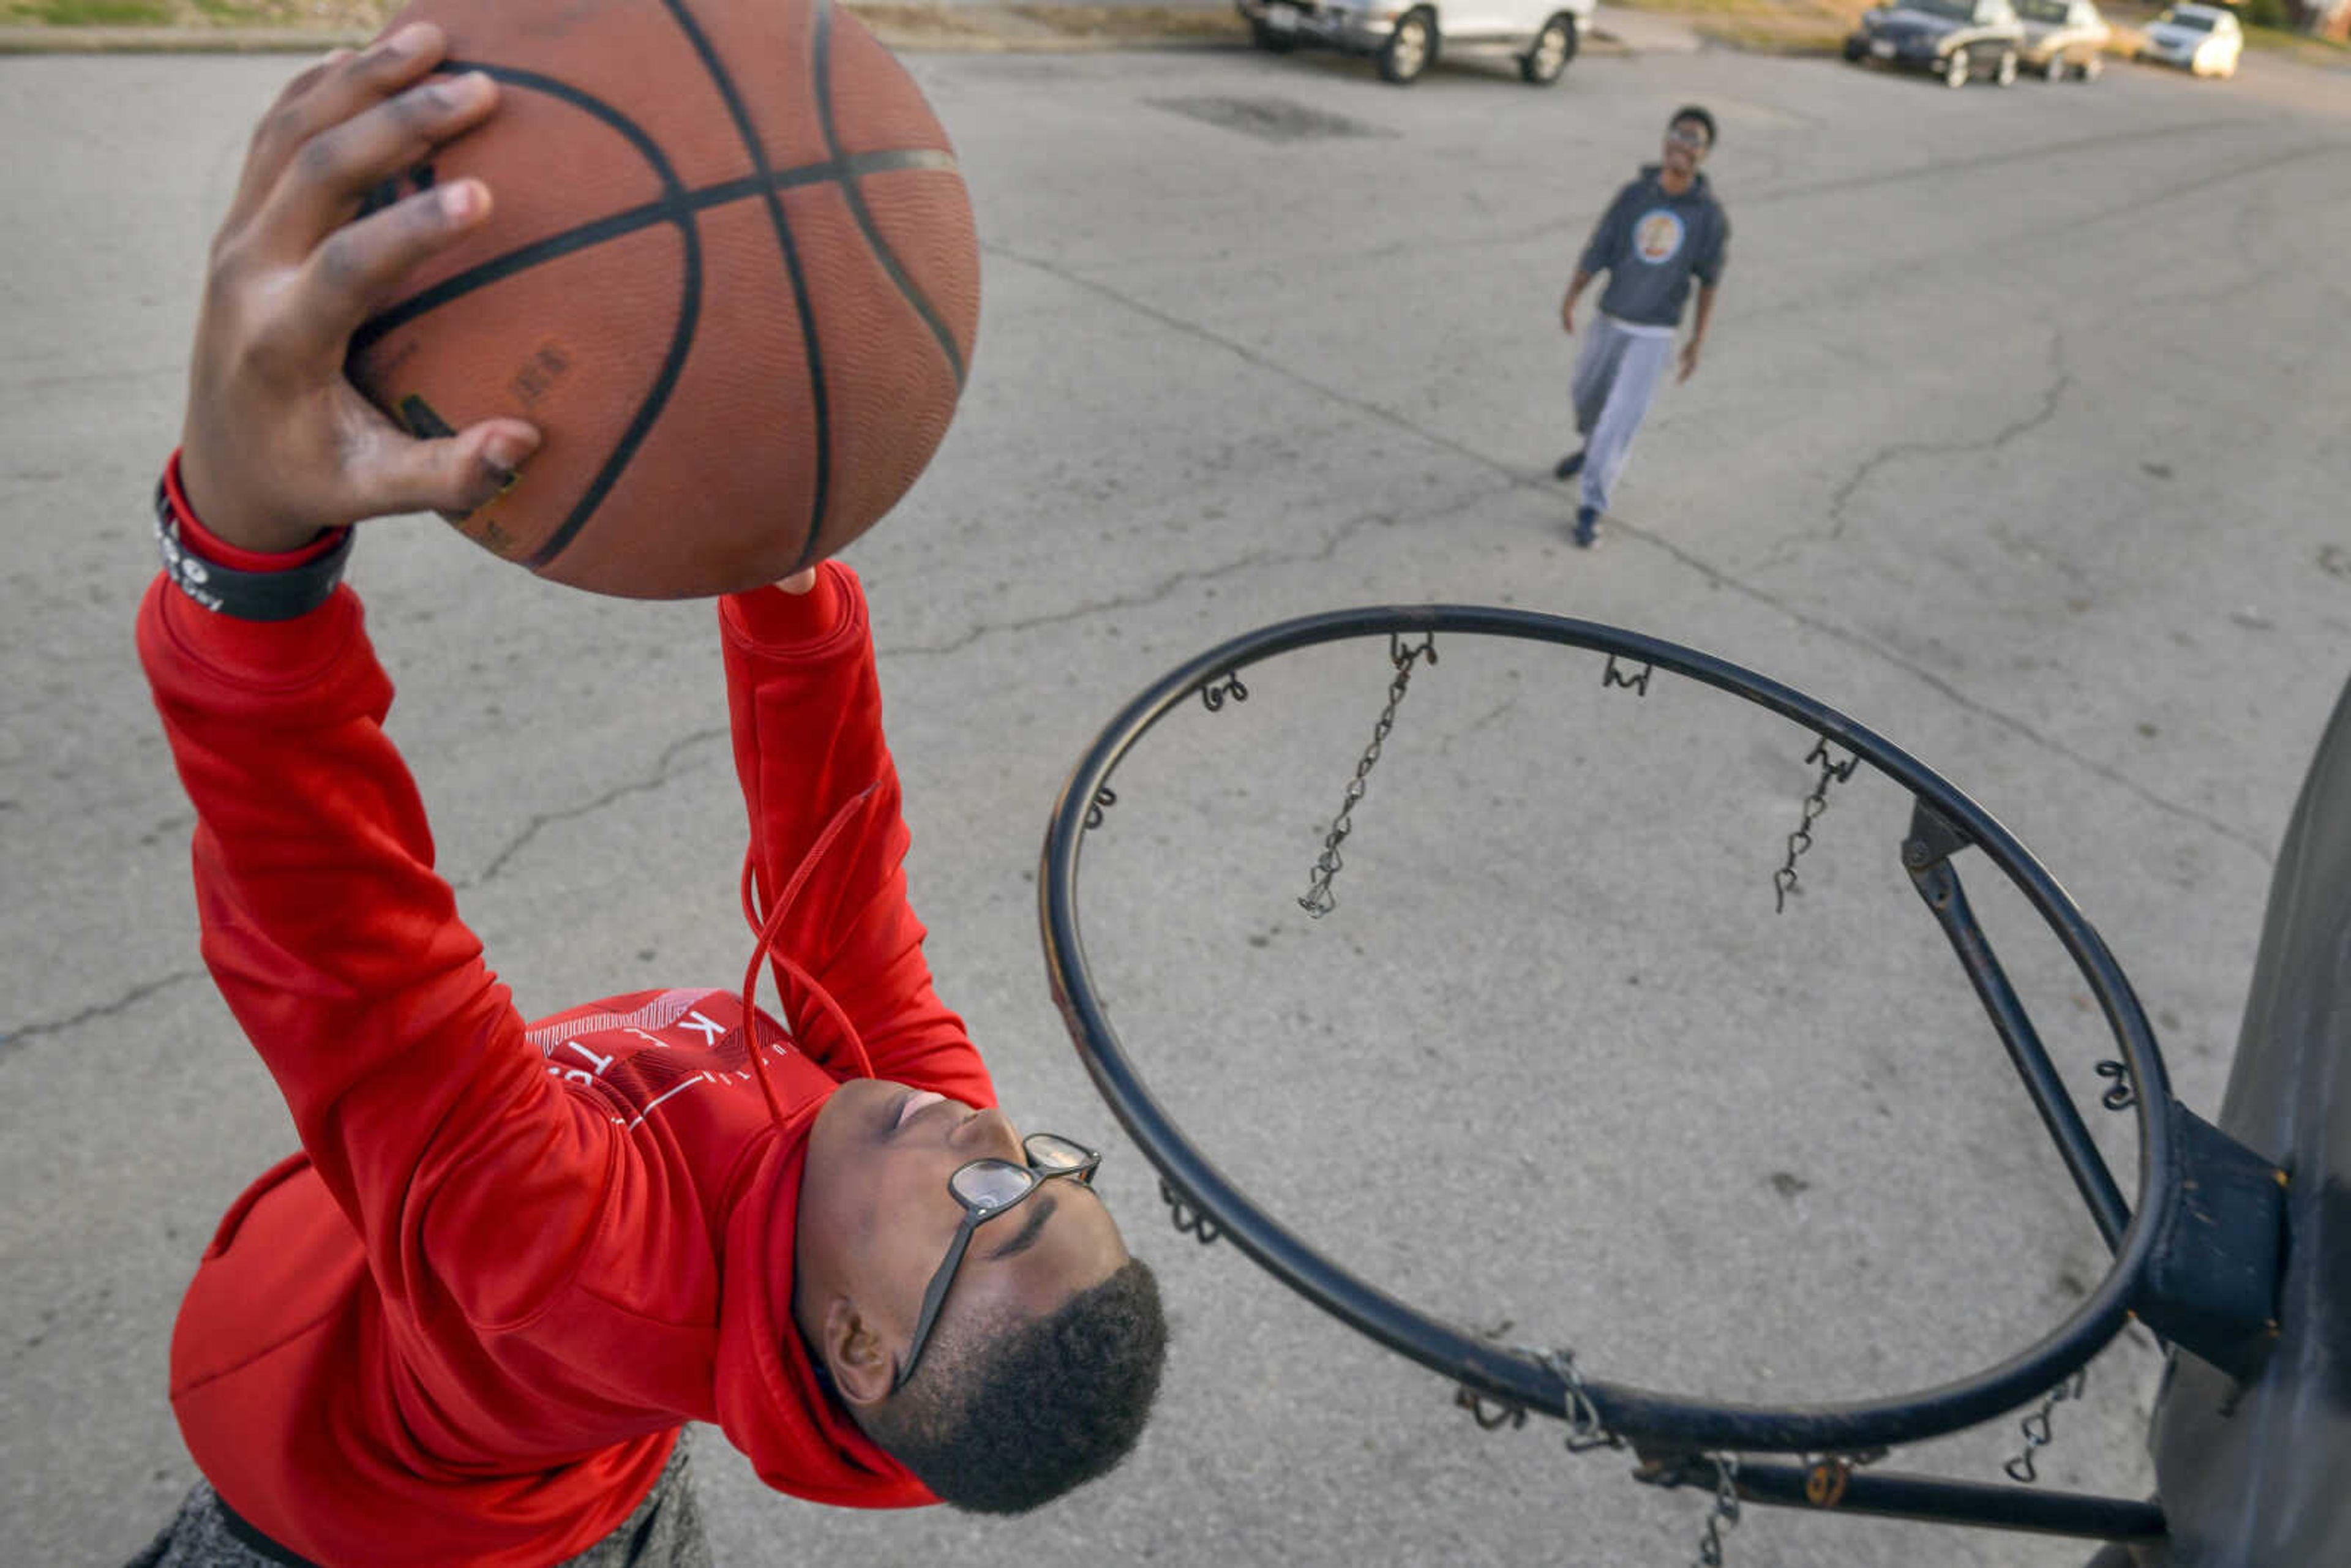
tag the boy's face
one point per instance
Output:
(1685, 146)
(876, 1219)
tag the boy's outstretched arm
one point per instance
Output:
(827, 832)
(329, 934)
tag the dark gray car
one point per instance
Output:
(1957, 40)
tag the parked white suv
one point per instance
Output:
(1403, 35)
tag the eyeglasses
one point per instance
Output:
(989, 1188)
(1687, 136)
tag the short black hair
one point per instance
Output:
(1003, 1417)
(1692, 111)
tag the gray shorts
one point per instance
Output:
(664, 1531)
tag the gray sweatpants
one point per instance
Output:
(663, 1531)
(1616, 378)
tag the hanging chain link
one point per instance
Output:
(1612, 675)
(1783, 881)
(1214, 693)
(1319, 900)
(1724, 1516)
(1186, 1215)
(2120, 1094)
(2036, 1427)
(1585, 1428)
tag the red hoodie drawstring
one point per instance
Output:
(769, 929)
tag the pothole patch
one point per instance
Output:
(1268, 119)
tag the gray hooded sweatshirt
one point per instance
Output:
(1650, 245)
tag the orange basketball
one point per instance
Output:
(731, 275)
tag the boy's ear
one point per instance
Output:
(863, 1367)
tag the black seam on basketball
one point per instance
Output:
(689, 306)
(881, 247)
(631, 220)
(740, 113)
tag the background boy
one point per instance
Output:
(1662, 230)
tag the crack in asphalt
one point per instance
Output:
(666, 764)
(664, 769)
(1541, 485)
(100, 377)
(1252, 357)
(2051, 398)
(2030, 154)
(1764, 196)
(1959, 699)
(10, 1043)
(1168, 584)
(1839, 291)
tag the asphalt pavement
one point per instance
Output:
(2018, 439)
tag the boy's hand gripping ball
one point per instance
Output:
(730, 273)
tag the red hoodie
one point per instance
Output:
(464, 1323)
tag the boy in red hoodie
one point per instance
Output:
(465, 1323)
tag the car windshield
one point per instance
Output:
(1958, 10)
(2197, 21)
(2042, 10)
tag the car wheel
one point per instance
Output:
(1553, 47)
(2006, 75)
(1853, 52)
(1957, 69)
(1266, 38)
(2092, 65)
(1407, 53)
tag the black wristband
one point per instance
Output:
(243, 595)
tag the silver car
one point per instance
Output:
(1403, 35)
(2203, 40)
(2063, 37)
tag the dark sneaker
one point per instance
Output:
(1569, 466)
(1587, 525)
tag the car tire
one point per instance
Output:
(1271, 42)
(2005, 74)
(1853, 52)
(1958, 68)
(1549, 54)
(1409, 47)
(2092, 66)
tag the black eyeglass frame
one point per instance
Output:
(935, 1295)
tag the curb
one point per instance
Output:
(944, 29)
(177, 40)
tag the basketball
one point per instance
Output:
(731, 275)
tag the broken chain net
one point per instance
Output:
(1783, 881)
(2037, 1430)
(1319, 900)
(1588, 1430)
(1724, 1515)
